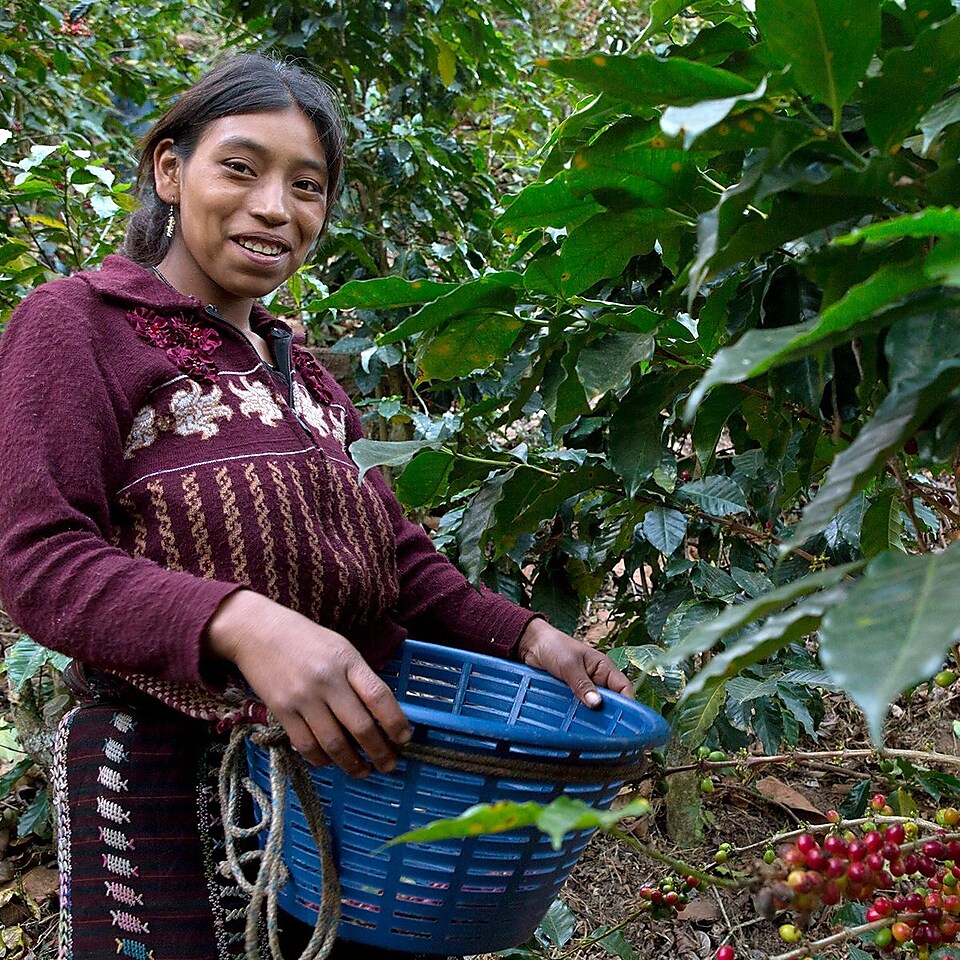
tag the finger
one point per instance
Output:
(379, 700)
(304, 742)
(574, 674)
(333, 740)
(606, 674)
(356, 718)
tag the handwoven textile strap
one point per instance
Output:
(555, 769)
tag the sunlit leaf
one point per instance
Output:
(905, 611)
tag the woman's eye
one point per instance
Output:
(237, 166)
(311, 186)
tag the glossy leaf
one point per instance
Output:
(602, 247)
(469, 342)
(716, 495)
(929, 222)
(905, 611)
(911, 81)
(661, 13)
(495, 291)
(665, 529)
(478, 518)
(424, 480)
(738, 616)
(937, 119)
(558, 925)
(636, 429)
(382, 453)
(606, 363)
(760, 350)
(384, 293)
(780, 630)
(647, 80)
(829, 43)
(693, 717)
(550, 204)
(556, 819)
(896, 419)
(691, 122)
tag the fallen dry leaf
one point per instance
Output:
(6, 871)
(701, 910)
(779, 792)
(41, 883)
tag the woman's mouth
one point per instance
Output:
(261, 247)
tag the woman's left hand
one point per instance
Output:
(577, 664)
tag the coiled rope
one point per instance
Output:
(286, 765)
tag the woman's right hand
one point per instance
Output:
(313, 681)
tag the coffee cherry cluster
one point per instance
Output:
(669, 897)
(867, 868)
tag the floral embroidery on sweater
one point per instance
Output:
(191, 412)
(326, 421)
(312, 374)
(188, 345)
(257, 401)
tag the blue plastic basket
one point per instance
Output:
(478, 894)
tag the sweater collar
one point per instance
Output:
(133, 285)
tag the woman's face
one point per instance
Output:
(252, 200)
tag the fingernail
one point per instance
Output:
(405, 736)
(593, 699)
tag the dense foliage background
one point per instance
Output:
(660, 299)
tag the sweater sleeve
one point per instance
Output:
(437, 603)
(64, 415)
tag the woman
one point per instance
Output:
(178, 511)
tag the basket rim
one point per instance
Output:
(655, 730)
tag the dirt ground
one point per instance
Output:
(753, 803)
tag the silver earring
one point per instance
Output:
(171, 223)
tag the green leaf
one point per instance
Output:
(776, 633)
(553, 594)
(606, 363)
(737, 616)
(636, 429)
(911, 80)
(478, 519)
(424, 480)
(384, 293)
(661, 13)
(24, 660)
(383, 453)
(550, 204)
(905, 611)
(557, 927)
(693, 716)
(711, 419)
(716, 495)
(495, 291)
(882, 525)
(10, 779)
(665, 529)
(829, 43)
(616, 944)
(646, 80)
(556, 819)
(929, 222)
(937, 119)
(695, 120)
(896, 419)
(37, 818)
(760, 350)
(470, 342)
(605, 244)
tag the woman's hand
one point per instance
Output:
(578, 664)
(312, 680)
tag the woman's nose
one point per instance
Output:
(271, 201)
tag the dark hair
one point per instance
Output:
(247, 83)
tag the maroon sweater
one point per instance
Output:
(151, 464)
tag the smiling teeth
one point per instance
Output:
(269, 249)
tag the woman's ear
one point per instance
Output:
(166, 172)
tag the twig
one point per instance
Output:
(848, 933)
(679, 866)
